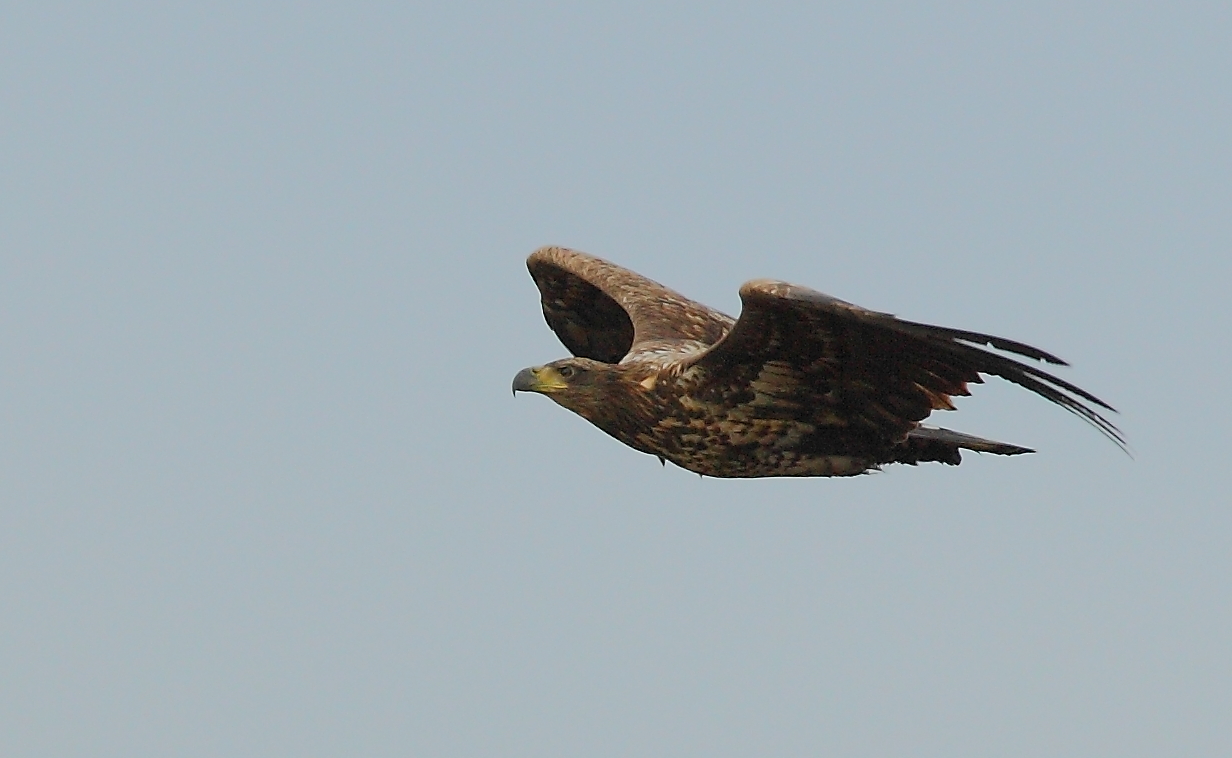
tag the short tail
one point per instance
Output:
(928, 443)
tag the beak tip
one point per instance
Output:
(525, 381)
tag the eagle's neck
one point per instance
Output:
(623, 400)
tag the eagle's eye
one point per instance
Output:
(566, 371)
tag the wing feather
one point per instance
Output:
(872, 369)
(602, 311)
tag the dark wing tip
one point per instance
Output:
(966, 345)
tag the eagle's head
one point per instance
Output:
(563, 379)
(587, 387)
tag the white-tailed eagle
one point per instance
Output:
(802, 384)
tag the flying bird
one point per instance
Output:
(802, 384)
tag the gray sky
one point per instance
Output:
(264, 491)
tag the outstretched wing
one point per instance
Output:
(797, 351)
(602, 311)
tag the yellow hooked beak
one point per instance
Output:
(541, 379)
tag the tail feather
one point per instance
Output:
(929, 443)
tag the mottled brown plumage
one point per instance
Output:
(802, 384)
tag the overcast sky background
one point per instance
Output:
(264, 491)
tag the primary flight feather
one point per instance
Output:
(802, 384)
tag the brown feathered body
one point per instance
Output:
(801, 385)
(770, 430)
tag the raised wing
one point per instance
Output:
(797, 351)
(601, 311)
